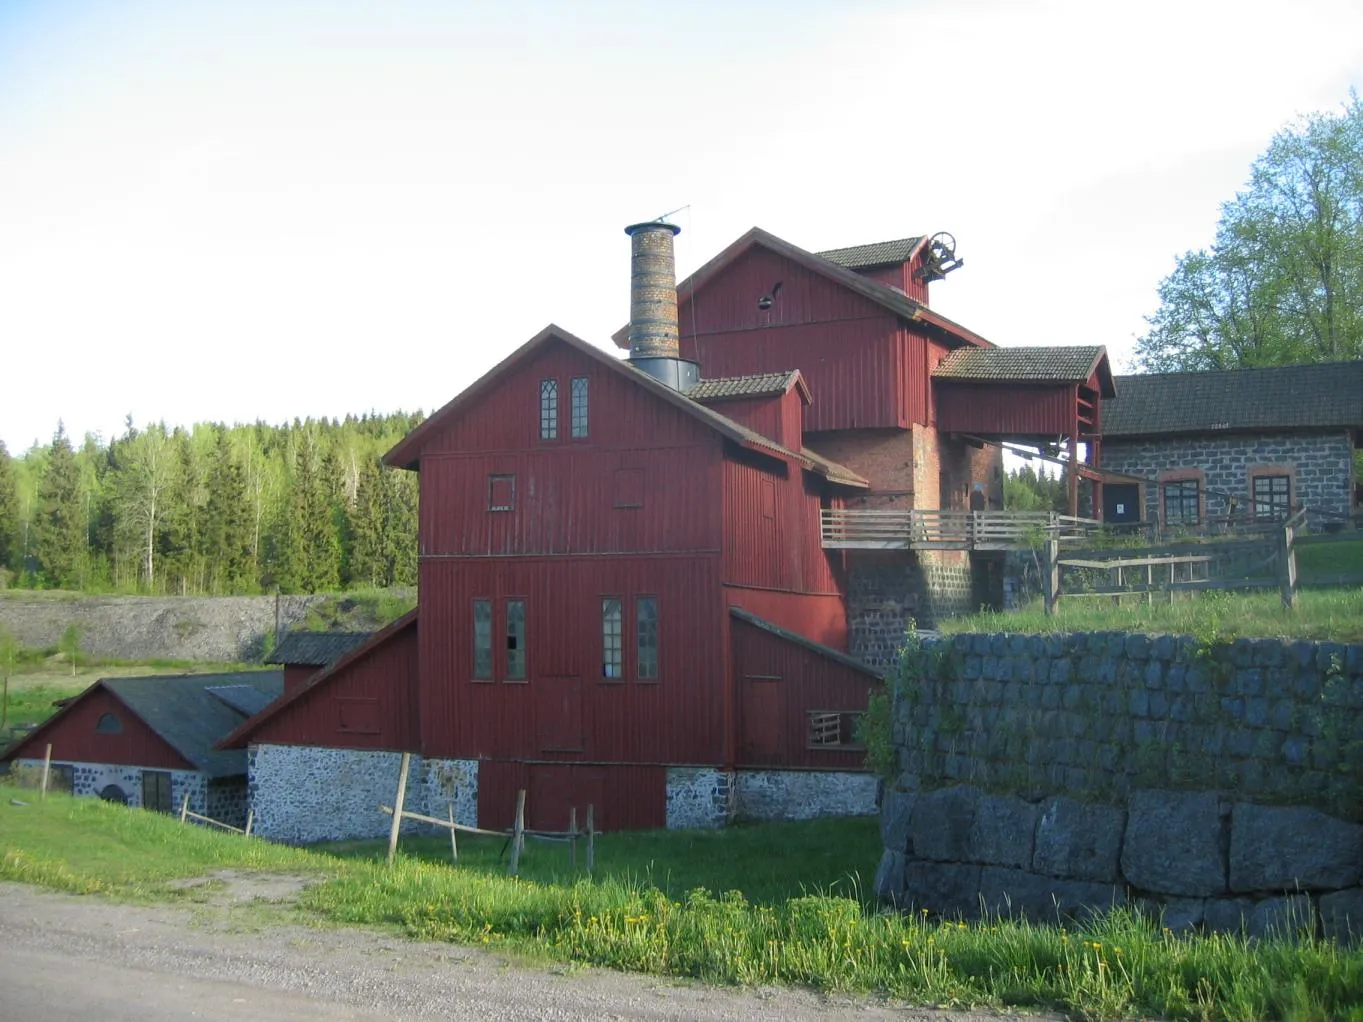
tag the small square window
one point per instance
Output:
(501, 493)
(1182, 503)
(548, 409)
(1272, 496)
(579, 411)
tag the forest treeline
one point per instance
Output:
(218, 510)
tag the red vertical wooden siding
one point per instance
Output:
(75, 740)
(1005, 408)
(900, 276)
(821, 618)
(776, 418)
(370, 703)
(780, 682)
(624, 797)
(296, 677)
(676, 719)
(842, 342)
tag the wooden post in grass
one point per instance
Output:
(1052, 580)
(454, 843)
(591, 838)
(517, 834)
(398, 800)
(47, 768)
(184, 809)
(1287, 569)
(572, 837)
(250, 819)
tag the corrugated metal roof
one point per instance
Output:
(1320, 396)
(877, 253)
(190, 717)
(1066, 364)
(755, 385)
(315, 649)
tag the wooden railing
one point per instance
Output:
(903, 529)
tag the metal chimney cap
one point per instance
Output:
(652, 225)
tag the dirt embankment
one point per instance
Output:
(224, 628)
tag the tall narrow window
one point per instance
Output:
(612, 644)
(1272, 496)
(579, 406)
(515, 640)
(646, 638)
(548, 409)
(482, 640)
(1181, 505)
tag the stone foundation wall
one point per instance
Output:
(1192, 858)
(698, 797)
(803, 794)
(446, 781)
(226, 802)
(887, 592)
(90, 779)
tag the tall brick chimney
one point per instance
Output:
(654, 345)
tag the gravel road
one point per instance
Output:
(80, 958)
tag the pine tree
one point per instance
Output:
(227, 525)
(313, 518)
(59, 522)
(367, 565)
(9, 512)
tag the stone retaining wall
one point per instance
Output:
(1196, 859)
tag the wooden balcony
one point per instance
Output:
(899, 529)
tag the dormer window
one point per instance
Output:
(548, 409)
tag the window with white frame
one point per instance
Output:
(612, 640)
(579, 406)
(1272, 496)
(548, 409)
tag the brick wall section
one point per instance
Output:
(1322, 466)
(882, 456)
(1098, 716)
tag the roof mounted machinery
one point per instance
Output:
(939, 258)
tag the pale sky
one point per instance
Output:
(277, 208)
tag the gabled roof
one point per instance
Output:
(407, 452)
(883, 295)
(1326, 395)
(877, 253)
(733, 388)
(245, 699)
(187, 712)
(1032, 364)
(315, 649)
(799, 640)
(242, 733)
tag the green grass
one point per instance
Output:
(1121, 966)
(1328, 614)
(1329, 560)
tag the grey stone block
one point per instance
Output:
(940, 823)
(1173, 843)
(889, 882)
(1181, 915)
(1275, 848)
(895, 807)
(1227, 915)
(1281, 917)
(1341, 916)
(1018, 893)
(946, 888)
(1078, 841)
(1004, 831)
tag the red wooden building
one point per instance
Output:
(625, 595)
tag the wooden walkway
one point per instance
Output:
(901, 529)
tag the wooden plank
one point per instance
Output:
(454, 843)
(47, 770)
(591, 838)
(1288, 581)
(407, 814)
(1052, 575)
(397, 802)
(184, 808)
(517, 834)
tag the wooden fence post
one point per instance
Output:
(454, 842)
(1287, 577)
(1052, 575)
(572, 838)
(184, 809)
(250, 819)
(397, 807)
(591, 838)
(517, 834)
(47, 768)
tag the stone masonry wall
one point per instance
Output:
(1322, 473)
(90, 779)
(886, 592)
(803, 794)
(1222, 785)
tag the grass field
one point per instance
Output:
(793, 924)
(1330, 614)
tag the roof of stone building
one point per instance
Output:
(877, 253)
(1039, 364)
(756, 385)
(1320, 396)
(315, 649)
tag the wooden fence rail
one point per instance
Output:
(186, 816)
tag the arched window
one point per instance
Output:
(108, 725)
